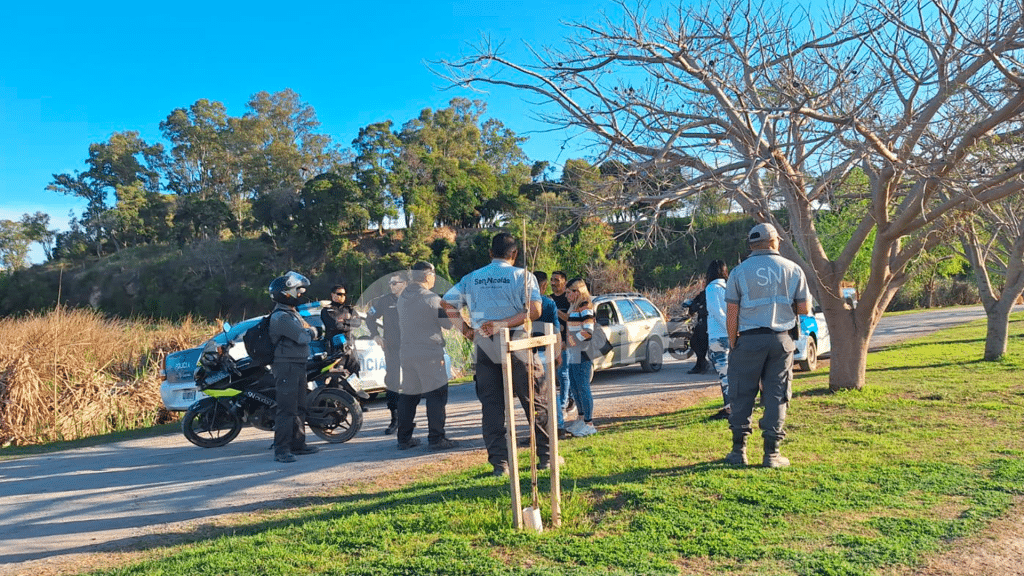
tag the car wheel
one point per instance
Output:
(811, 362)
(655, 355)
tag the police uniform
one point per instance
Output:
(385, 307)
(495, 292)
(291, 349)
(765, 287)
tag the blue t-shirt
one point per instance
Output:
(493, 292)
(548, 315)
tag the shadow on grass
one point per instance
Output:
(467, 486)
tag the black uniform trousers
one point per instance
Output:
(423, 377)
(392, 375)
(491, 393)
(290, 418)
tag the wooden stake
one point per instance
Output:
(510, 425)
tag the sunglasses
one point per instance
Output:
(339, 293)
(396, 282)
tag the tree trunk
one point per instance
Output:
(849, 356)
(998, 327)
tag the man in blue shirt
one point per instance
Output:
(763, 297)
(497, 296)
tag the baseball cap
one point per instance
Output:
(761, 232)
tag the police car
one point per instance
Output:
(814, 340)
(178, 389)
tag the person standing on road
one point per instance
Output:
(580, 331)
(291, 336)
(498, 296)
(424, 375)
(763, 296)
(558, 283)
(385, 308)
(699, 336)
(718, 336)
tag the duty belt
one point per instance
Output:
(753, 331)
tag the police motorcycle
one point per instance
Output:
(240, 392)
(680, 330)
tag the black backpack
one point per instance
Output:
(257, 342)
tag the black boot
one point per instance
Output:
(772, 457)
(394, 424)
(738, 456)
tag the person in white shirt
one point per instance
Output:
(718, 336)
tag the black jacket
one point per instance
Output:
(339, 320)
(386, 308)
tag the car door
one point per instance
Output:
(636, 327)
(609, 322)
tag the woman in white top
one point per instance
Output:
(579, 331)
(718, 337)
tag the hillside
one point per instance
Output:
(227, 279)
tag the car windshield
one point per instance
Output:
(236, 331)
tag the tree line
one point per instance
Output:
(271, 171)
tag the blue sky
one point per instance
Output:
(74, 73)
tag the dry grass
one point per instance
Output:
(71, 373)
(670, 301)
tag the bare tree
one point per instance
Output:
(993, 242)
(776, 108)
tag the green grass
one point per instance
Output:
(928, 453)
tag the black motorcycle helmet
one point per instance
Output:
(287, 289)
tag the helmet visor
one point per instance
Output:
(295, 280)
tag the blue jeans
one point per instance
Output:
(562, 375)
(579, 376)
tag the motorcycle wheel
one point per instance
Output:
(210, 424)
(679, 346)
(349, 415)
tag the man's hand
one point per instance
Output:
(487, 328)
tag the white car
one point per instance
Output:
(814, 340)
(179, 391)
(635, 329)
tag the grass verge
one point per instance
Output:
(928, 453)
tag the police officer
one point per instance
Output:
(341, 318)
(291, 335)
(500, 295)
(385, 307)
(763, 296)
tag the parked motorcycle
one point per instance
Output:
(680, 330)
(240, 393)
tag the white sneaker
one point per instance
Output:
(574, 427)
(585, 430)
